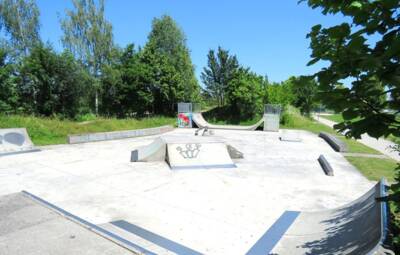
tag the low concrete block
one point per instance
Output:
(325, 165)
(105, 136)
(337, 144)
(234, 153)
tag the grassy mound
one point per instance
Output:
(46, 131)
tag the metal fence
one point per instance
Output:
(272, 109)
(188, 107)
(184, 107)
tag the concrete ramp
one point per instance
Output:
(199, 120)
(357, 228)
(198, 155)
(155, 151)
(193, 153)
(14, 141)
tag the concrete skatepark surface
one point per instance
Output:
(29, 228)
(212, 211)
(199, 120)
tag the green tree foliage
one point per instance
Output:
(279, 93)
(365, 51)
(220, 71)
(88, 35)
(126, 87)
(52, 84)
(171, 78)
(244, 93)
(20, 21)
(305, 90)
(372, 67)
(8, 89)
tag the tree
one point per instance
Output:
(364, 51)
(219, 72)
(372, 68)
(244, 93)
(305, 90)
(8, 89)
(171, 78)
(279, 93)
(125, 85)
(51, 83)
(20, 20)
(88, 35)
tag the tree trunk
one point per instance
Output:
(96, 102)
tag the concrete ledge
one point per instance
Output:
(105, 136)
(325, 165)
(337, 144)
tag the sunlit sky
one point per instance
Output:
(267, 36)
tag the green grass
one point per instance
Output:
(374, 168)
(46, 131)
(334, 117)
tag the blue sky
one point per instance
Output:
(267, 36)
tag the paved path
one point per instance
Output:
(381, 145)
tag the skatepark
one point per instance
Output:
(220, 203)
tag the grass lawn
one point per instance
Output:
(337, 117)
(46, 131)
(375, 168)
(372, 168)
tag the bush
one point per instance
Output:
(85, 117)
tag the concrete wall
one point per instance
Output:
(94, 137)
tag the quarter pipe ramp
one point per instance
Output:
(356, 228)
(199, 120)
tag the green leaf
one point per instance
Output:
(356, 4)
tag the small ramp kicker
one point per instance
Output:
(197, 153)
(357, 228)
(199, 120)
(15, 141)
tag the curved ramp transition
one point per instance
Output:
(357, 228)
(199, 120)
